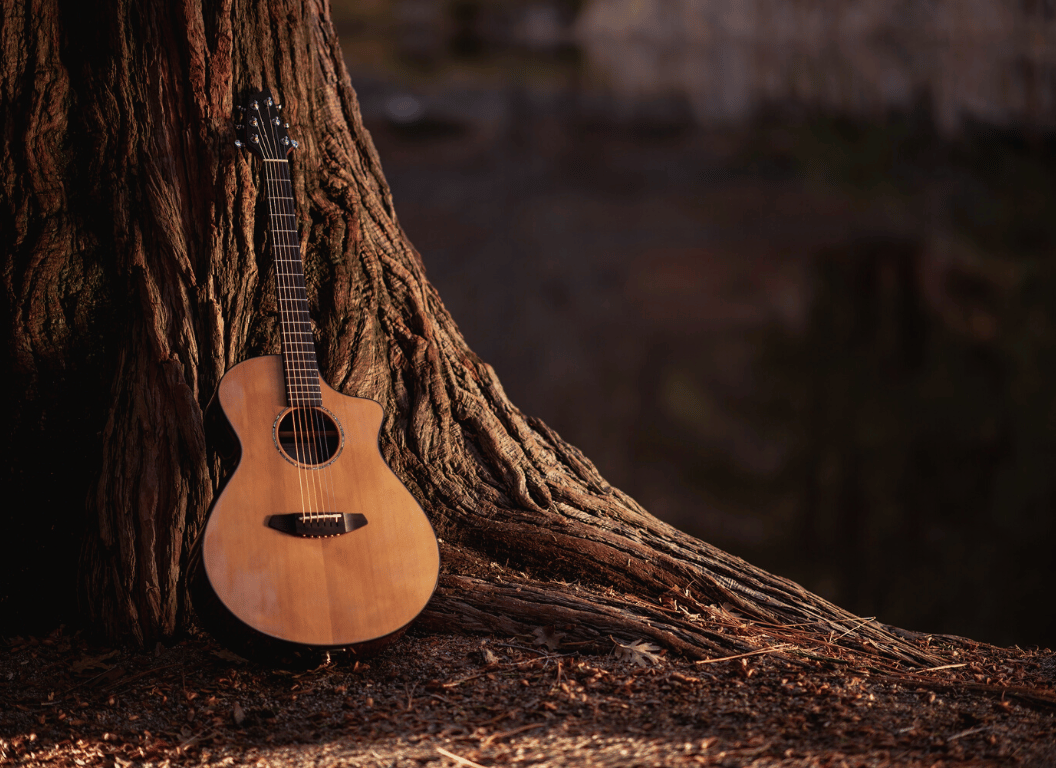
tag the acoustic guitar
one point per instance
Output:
(312, 542)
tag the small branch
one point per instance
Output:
(457, 759)
(773, 649)
(969, 732)
(511, 732)
(944, 666)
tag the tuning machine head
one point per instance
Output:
(261, 129)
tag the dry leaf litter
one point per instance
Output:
(449, 700)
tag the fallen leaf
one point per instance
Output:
(85, 663)
(238, 714)
(226, 655)
(637, 652)
(548, 636)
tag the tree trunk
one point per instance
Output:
(136, 274)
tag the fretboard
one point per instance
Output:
(298, 345)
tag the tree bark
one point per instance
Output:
(135, 274)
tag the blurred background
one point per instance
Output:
(784, 269)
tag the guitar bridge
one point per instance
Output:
(316, 524)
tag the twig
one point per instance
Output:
(969, 732)
(772, 649)
(129, 678)
(861, 623)
(944, 666)
(457, 759)
(521, 648)
(511, 732)
(498, 666)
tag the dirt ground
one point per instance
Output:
(448, 700)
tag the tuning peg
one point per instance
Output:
(295, 144)
(238, 143)
(240, 127)
(285, 125)
(240, 108)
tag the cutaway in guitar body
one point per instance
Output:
(275, 594)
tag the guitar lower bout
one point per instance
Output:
(313, 542)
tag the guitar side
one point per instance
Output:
(349, 590)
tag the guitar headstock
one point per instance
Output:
(263, 129)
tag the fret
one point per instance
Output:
(298, 344)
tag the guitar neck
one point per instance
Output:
(298, 345)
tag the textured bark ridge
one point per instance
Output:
(135, 274)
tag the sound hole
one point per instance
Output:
(308, 435)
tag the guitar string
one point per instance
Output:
(325, 472)
(300, 326)
(285, 325)
(318, 453)
(282, 290)
(308, 414)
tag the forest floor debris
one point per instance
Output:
(449, 700)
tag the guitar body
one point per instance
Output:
(266, 561)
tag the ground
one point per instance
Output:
(451, 700)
